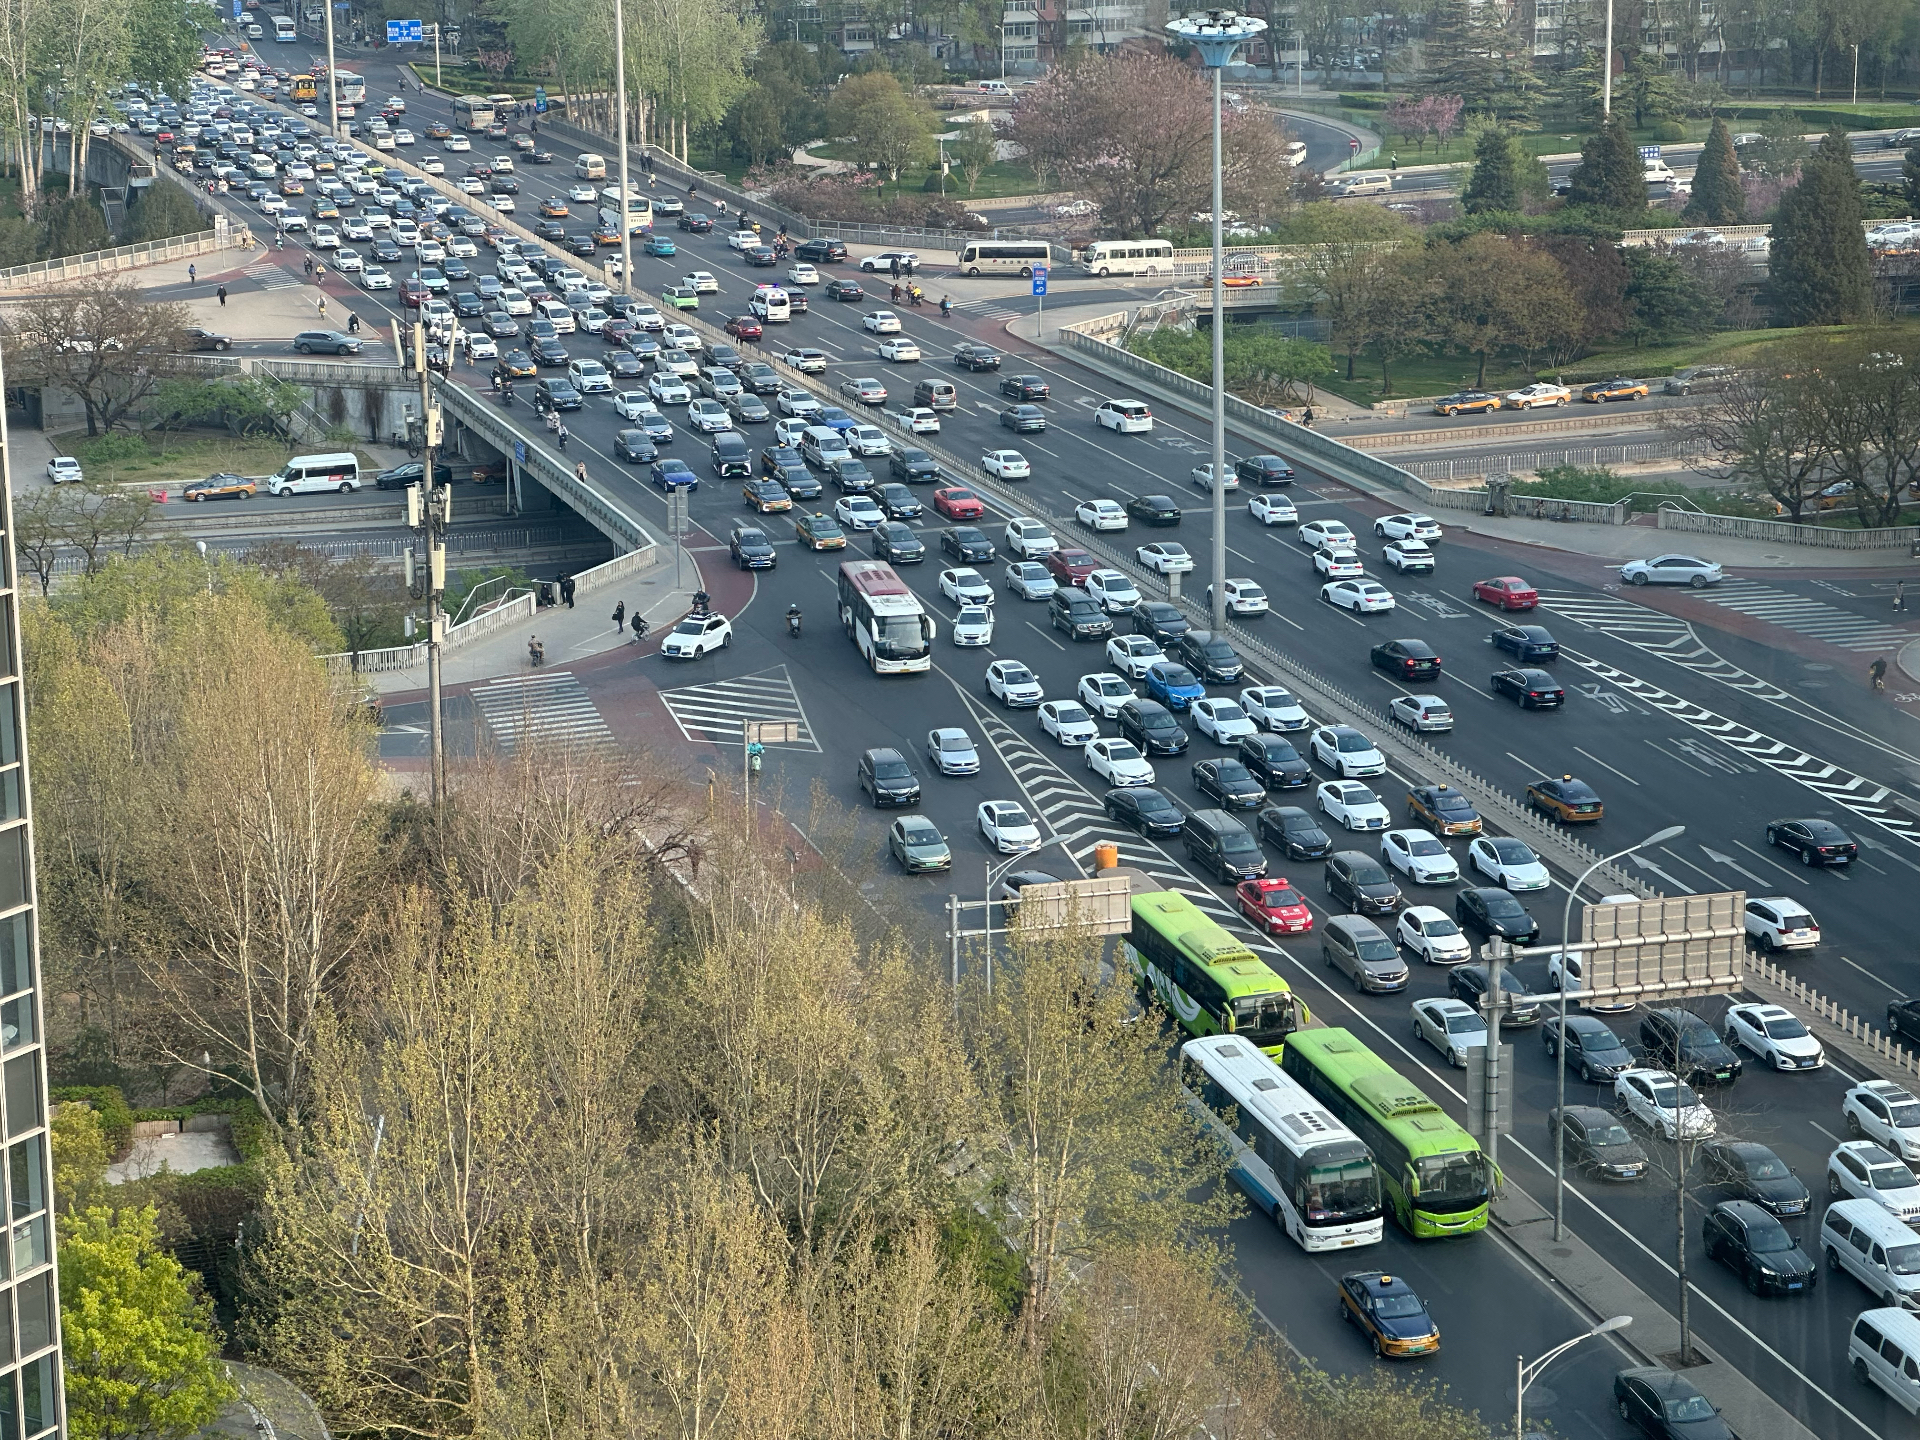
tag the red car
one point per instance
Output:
(1275, 906)
(413, 292)
(1509, 592)
(1071, 566)
(958, 503)
(744, 327)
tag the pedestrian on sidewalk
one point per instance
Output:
(619, 616)
(566, 591)
(1393, 162)
(893, 271)
(1307, 419)
(223, 294)
(193, 274)
(1899, 594)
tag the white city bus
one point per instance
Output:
(472, 112)
(352, 87)
(884, 619)
(1004, 257)
(1292, 1157)
(283, 30)
(1128, 257)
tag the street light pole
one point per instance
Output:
(1659, 837)
(333, 82)
(620, 85)
(994, 872)
(1217, 34)
(1606, 68)
(1525, 1374)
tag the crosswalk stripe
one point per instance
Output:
(719, 709)
(548, 709)
(1806, 616)
(271, 275)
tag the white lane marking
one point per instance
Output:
(1603, 764)
(1870, 975)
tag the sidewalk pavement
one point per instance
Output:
(570, 635)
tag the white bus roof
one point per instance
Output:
(1268, 1094)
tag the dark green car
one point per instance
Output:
(918, 845)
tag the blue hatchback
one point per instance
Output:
(834, 418)
(1174, 686)
(659, 245)
(673, 474)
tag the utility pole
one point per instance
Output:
(1496, 952)
(429, 509)
(620, 83)
(333, 84)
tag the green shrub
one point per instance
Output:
(1669, 132)
(968, 1239)
(113, 448)
(116, 1116)
(1365, 102)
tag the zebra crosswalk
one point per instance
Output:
(1807, 616)
(716, 711)
(549, 709)
(1622, 619)
(990, 309)
(271, 275)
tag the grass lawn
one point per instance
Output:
(187, 455)
(1002, 178)
(469, 80)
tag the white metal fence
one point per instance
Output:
(44, 273)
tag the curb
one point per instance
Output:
(1908, 660)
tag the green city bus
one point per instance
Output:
(1433, 1175)
(1210, 982)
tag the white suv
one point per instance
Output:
(1884, 1111)
(1029, 537)
(1861, 1170)
(1777, 923)
(1129, 417)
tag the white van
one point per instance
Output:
(1362, 182)
(1882, 1253)
(558, 312)
(992, 87)
(590, 167)
(311, 474)
(1657, 172)
(1884, 1350)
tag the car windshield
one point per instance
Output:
(1452, 804)
(1426, 845)
(1609, 1135)
(1512, 852)
(1767, 1167)
(1227, 710)
(1904, 1117)
(1378, 949)
(1504, 907)
(1439, 925)
(1069, 714)
(1904, 1259)
(955, 742)
(1671, 1097)
(1787, 1029)
(1175, 675)
(1121, 750)
(1771, 1240)
(1353, 744)
(891, 770)
(1891, 1177)
(690, 627)
(1465, 1024)
(919, 832)
(1689, 1407)
(1398, 1307)
(1017, 675)
(1346, 1190)
(1152, 802)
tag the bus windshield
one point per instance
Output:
(1266, 1020)
(1452, 1182)
(900, 637)
(1336, 1194)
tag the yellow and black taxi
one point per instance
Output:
(1618, 388)
(766, 496)
(1570, 801)
(1389, 1314)
(554, 208)
(1444, 810)
(820, 532)
(1466, 402)
(518, 364)
(219, 487)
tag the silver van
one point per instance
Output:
(311, 474)
(1362, 182)
(1884, 1351)
(590, 167)
(1364, 953)
(1882, 1253)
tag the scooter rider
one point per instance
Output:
(793, 620)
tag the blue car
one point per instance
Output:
(673, 474)
(1526, 642)
(1174, 686)
(658, 245)
(834, 418)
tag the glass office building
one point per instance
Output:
(30, 1384)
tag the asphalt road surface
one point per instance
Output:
(1719, 709)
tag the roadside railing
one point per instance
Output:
(1785, 532)
(66, 268)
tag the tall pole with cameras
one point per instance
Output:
(620, 93)
(1659, 837)
(1216, 34)
(429, 507)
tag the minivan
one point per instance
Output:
(557, 313)
(936, 395)
(992, 87)
(1361, 883)
(1884, 1350)
(1363, 182)
(590, 167)
(730, 454)
(1364, 953)
(1882, 1253)
(309, 474)
(1220, 842)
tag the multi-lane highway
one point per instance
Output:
(1720, 710)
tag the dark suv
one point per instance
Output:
(1361, 883)
(1151, 727)
(1078, 614)
(1680, 1041)
(1469, 983)
(1274, 762)
(888, 779)
(1213, 660)
(821, 252)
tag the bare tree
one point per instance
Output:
(1758, 433)
(104, 341)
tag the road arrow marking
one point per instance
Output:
(1731, 864)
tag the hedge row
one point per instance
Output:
(116, 1116)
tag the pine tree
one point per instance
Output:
(1462, 54)
(1495, 185)
(1910, 177)
(1610, 175)
(1718, 198)
(1819, 256)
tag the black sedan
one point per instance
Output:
(1211, 658)
(1229, 784)
(623, 366)
(582, 245)
(549, 352)
(1146, 810)
(635, 448)
(1529, 689)
(1160, 622)
(1470, 982)
(1816, 842)
(1295, 832)
(1153, 510)
(1525, 642)
(1665, 1406)
(751, 549)
(913, 465)
(385, 252)
(1023, 419)
(1757, 1248)
(846, 290)
(695, 222)
(502, 326)
(1596, 1140)
(898, 502)
(1488, 911)
(967, 544)
(1684, 1043)
(760, 255)
(1025, 387)
(1407, 659)
(1753, 1172)
(1274, 762)
(550, 230)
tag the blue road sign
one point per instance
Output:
(236, 9)
(401, 31)
(540, 99)
(520, 452)
(1649, 152)
(1039, 279)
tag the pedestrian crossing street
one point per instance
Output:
(550, 709)
(271, 275)
(714, 712)
(1807, 616)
